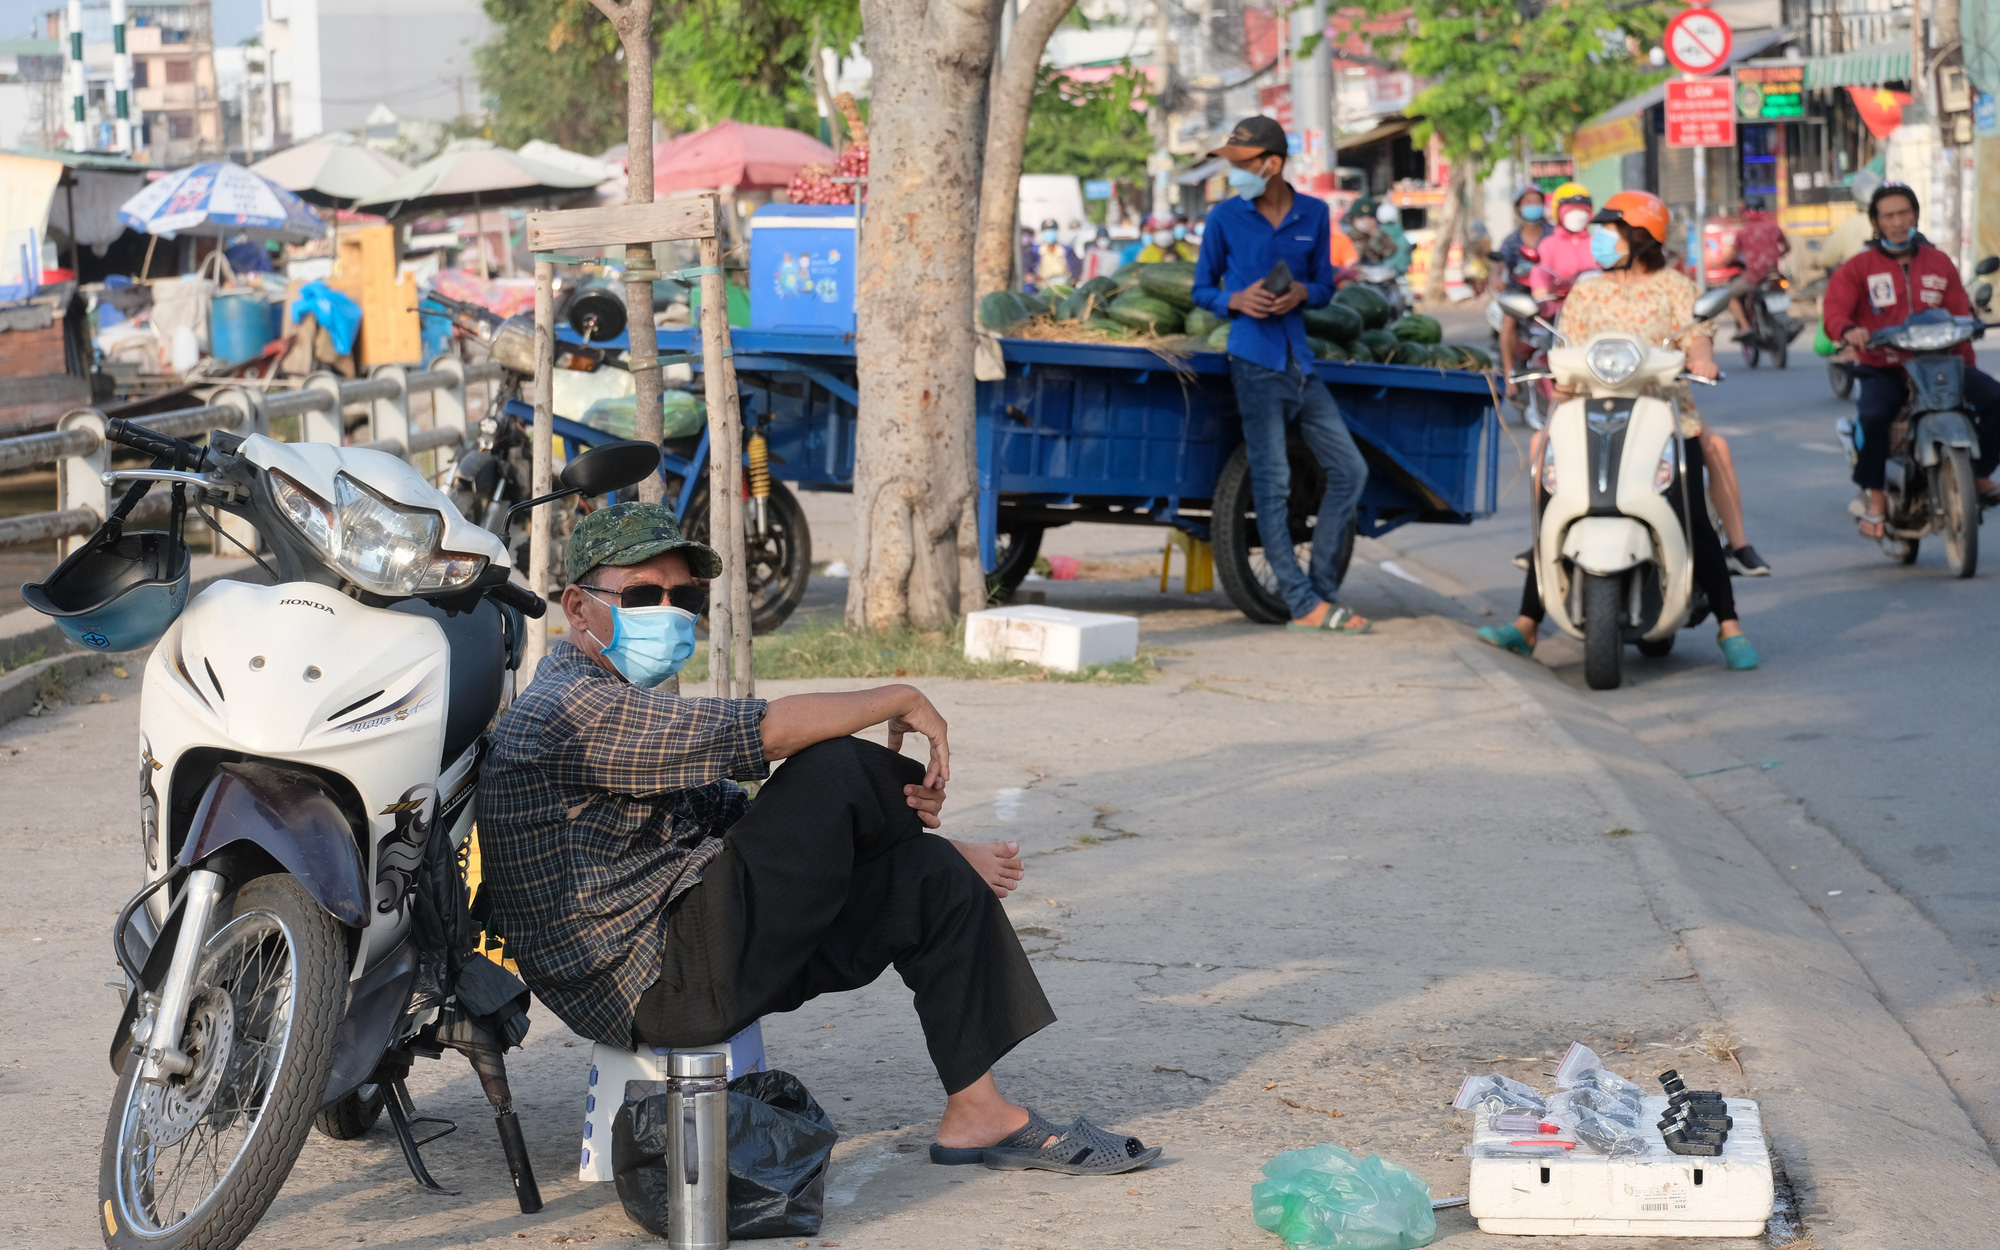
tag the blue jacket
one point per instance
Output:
(1238, 248)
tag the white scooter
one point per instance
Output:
(308, 762)
(1611, 551)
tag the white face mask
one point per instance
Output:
(1163, 238)
(1575, 219)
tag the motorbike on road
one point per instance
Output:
(1385, 281)
(1928, 479)
(1612, 551)
(1772, 327)
(308, 767)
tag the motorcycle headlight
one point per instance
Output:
(1613, 360)
(1549, 467)
(376, 544)
(1928, 338)
(1663, 472)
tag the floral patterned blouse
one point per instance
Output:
(1652, 307)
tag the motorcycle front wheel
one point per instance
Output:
(1840, 376)
(1603, 640)
(1959, 503)
(194, 1163)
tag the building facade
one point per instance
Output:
(332, 62)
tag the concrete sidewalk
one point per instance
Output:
(1289, 892)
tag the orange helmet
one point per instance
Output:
(1642, 209)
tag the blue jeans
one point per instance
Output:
(1269, 401)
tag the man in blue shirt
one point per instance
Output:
(1273, 369)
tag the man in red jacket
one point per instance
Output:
(1895, 277)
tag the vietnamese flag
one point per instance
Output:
(1881, 109)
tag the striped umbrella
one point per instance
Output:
(222, 199)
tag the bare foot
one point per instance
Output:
(979, 1116)
(998, 864)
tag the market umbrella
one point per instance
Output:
(734, 154)
(472, 173)
(222, 199)
(327, 170)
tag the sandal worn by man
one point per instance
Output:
(1872, 518)
(1082, 1149)
(1029, 1136)
(1337, 621)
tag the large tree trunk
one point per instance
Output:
(1458, 187)
(1006, 134)
(916, 559)
(633, 20)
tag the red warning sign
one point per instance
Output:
(1701, 113)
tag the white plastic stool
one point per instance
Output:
(611, 1068)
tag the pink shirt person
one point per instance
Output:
(1565, 256)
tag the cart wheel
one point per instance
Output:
(779, 564)
(1015, 550)
(1239, 555)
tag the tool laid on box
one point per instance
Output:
(1697, 1121)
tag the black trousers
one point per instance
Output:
(1711, 571)
(827, 880)
(1881, 398)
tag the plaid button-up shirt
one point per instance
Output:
(599, 803)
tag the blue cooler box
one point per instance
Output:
(802, 267)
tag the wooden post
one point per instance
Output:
(729, 613)
(542, 475)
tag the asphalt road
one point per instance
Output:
(1878, 681)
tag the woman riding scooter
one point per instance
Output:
(1639, 294)
(1517, 256)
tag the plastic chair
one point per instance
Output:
(611, 1070)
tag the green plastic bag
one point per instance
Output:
(681, 414)
(1324, 1198)
(1823, 345)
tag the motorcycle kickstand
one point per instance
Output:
(401, 1119)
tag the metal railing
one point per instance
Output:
(81, 455)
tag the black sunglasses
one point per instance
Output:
(692, 597)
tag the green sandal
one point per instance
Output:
(1338, 621)
(1507, 638)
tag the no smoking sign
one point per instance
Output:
(1698, 42)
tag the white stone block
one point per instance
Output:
(1055, 638)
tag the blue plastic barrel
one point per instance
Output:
(239, 326)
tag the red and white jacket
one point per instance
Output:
(1875, 289)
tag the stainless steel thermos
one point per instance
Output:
(698, 1150)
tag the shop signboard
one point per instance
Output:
(1097, 188)
(1984, 122)
(1276, 103)
(1771, 92)
(1700, 113)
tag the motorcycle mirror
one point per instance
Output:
(1982, 295)
(597, 314)
(1497, 258)
(1518, 305)
(1989, 265)
(1710, 303)
(609, 466)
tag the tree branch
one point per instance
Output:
(1006, 134)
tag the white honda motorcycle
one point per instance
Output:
(1612, 551)
(308, 762)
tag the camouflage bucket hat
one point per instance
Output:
(626, 533)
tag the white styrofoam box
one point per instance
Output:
(1056, 638)
(611, 1068)
(1657, 1194)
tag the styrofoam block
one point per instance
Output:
(611, 1068)
(1656, 1194)
(1056, 638)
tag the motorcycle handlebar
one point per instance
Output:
(530, 604)
(131, 434)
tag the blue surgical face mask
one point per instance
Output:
(648, 645)
(1604, 246)
(1532, 212)
(1180, 232)
(1050, 236)
(1247, 184)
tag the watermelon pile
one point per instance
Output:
(1157, 300)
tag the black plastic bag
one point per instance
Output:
(780, 1143)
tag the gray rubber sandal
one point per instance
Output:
(1083, 1149)
(1029, 1136)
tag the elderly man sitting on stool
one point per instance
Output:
(648, 899)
